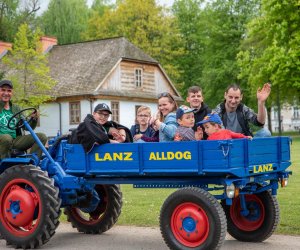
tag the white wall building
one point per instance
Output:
(112, 71)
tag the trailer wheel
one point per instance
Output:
(103, 217)
(261, 221)
(29, 206)
(191, 218)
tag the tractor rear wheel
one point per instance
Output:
(29, 206)
(261, 221)
(103, 217)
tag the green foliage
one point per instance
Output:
(212, 34)
(146, 25)
(189, 16)
(271, 49)
(13, 13)
(30, 73)
(2, 74)
(101, 6)
(226, 25)
(65, 20)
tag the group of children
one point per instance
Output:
(146, 129)
(211, 124)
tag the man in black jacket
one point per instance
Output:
(196, 101)
(97, 130)
(236, 116)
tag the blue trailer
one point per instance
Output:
(223, 185)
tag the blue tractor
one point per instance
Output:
(223, 185)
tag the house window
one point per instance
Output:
(138, 78)
(115, 111)
(74, 108)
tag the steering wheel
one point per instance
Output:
(25, 116)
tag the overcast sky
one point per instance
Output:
(44, 3)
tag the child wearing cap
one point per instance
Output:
(213, 128)
(186, 120)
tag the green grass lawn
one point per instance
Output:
(289, 197)
(141, 207)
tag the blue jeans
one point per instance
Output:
(264, 132)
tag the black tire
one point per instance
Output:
(103, 217)
(29, 195)
(261, 221)
(180, 216)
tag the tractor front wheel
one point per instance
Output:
(29, 206)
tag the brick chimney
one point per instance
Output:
(4, 48)
(48, 43)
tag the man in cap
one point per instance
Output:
(97, 130)
(14, 139)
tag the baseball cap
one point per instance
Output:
(183, 110)
(6, 82)
(213, 117)
(102, 106)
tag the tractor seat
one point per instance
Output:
(16, 152)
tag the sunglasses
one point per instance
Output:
(165, 94)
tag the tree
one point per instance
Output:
(66, 20)
(13, 13)
(212, 32)
(189, 18)
(28, 69)
(225, 27)
(270, 51)
(146, 25)
(101, 6)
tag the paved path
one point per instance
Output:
(145, 238)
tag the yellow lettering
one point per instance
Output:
(97, 157)
(152, 157)
(128, 156)
(107, 157)
(170, 155)
(157, 156)
(263, 168)
(118, 156)
(187, 155)
(178, 155)
(163, 156)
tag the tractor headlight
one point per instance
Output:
(284, 182)
(230, 190)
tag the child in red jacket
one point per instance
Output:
(213, 128)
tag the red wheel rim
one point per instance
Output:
(256, 215)
(190, 224)
(95, 216)
(20, 206)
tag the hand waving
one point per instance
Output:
(264, 92)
